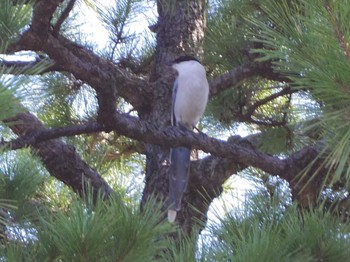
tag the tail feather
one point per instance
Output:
(178, 177)
(171, 215)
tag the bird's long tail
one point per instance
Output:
(178, 178)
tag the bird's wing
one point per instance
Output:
(179, 166)
(175, 87)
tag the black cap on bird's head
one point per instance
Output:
(184, 59)
(184, 63)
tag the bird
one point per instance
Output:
(189, 100)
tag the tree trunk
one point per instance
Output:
(180, 30)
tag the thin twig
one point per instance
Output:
(283, 92)
(62, 18)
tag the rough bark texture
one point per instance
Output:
(60, 159)
(179, 30)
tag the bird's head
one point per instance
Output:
(185, 63)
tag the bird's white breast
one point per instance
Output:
(192, 93)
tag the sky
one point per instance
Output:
(99, 34)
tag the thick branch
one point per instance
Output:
(169, 137)
(220, 168)
(41, 135)
(235, 76)
(60, 159)
(42, 15)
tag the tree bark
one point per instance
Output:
(60, 159)
(179, 30)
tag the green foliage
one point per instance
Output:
(13, 90)
(224, 36)
(252, 102)
(21, 175)
(5, 207)
(110, 231)
(115, 158)
(9, 104)
(97, 231)
(54, 194)
(62, 92)
(260, 104)
(116, 18)
(282, 140)
(13, 17)
(264, 232)
(125, 43)
(181, 250)
(307, 42)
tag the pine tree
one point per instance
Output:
(86, 132)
